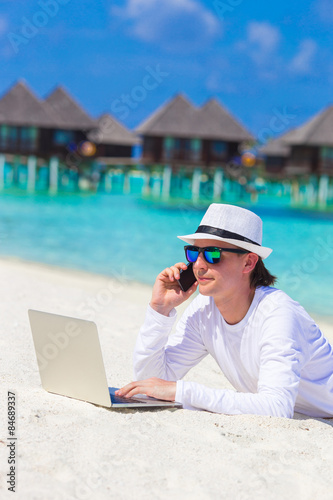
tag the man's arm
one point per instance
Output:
(283, 353)
(156, 355)
(152, 356)
(281, 359)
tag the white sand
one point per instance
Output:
(69, 449)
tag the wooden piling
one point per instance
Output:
(15, 170)
(146, 182)
(2, 171)
(53, 171)
(323, 191)
(295, 191)
(31, 166)
(218, 184)
(196, 181)
(127, 183)
(156, 191)
(166, 183)
(108, 181)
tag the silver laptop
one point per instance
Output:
(70, 362)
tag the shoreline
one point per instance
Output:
(325, 322)
(75, 271)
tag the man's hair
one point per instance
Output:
(260, 276)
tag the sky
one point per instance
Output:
(269, 63)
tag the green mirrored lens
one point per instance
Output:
(191, 254)
(212, 255)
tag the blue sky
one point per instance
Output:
(127, 57)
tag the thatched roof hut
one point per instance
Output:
(307, 149)
(72, 115)
(179, 118)
(318, 131)
(47, 127)
(19, 106)
(108, 130)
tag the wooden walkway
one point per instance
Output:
(160, 182)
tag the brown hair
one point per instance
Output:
(260, 276)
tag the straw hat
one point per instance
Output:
(233, 225)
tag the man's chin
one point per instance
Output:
(205, 288)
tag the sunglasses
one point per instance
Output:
(212, 255)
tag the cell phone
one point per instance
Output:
(186, 278)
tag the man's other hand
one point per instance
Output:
(153, 387)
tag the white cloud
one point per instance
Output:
(325, 11)
(216, 84)
(3, 26)
(262, 41)
(303, 60)
(6, 50)
(173, 23)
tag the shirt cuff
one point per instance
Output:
(179, 398)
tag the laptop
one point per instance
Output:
(70, 362)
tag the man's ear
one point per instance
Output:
(250, 262)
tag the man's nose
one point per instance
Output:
(200, 263)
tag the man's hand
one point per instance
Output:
(153, 387)
(167, 293)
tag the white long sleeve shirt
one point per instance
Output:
(276, 357)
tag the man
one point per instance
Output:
(266, 344)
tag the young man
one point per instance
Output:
(265, 343)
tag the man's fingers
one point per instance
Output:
(169, 273)
(153, 387)
(172, 272)
(139, 387)
(176, 269)
(135, 391)
(126, 389)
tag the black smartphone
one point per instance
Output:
(187, 277)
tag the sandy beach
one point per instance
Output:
(68, 449)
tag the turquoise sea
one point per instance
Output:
(123, 234)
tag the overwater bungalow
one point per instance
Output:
(76, 123)
(180, 134)
(58, 127)
(275, 154)
(307, 149)
(25, 122)
(112, 139)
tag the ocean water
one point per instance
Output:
(123, 235)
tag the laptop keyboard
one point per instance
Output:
(119, 399)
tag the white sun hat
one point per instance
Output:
(234, 225)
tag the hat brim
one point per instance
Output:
(263, 252)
